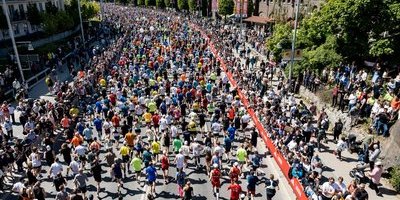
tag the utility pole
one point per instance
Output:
(80, 17)
(294, 41)
(11, 32)
(241, 18)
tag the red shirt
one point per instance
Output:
(215, 175)
(115, 120)
(164, 162)
(156, 119)
(235, 191)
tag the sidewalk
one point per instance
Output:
(334, 167)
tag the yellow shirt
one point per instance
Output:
(147, 117)
(155, 146)
(103, 82)
(124, 151)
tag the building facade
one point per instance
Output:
(18, 16)
(286, 9)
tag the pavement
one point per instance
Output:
(132, 190)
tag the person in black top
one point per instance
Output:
(58, 181)
(254, 136)
(187, 191)
(96, 170)
(66, 152)
(360, 193)
(271, 185)
(38, 192)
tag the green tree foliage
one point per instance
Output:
(140, 2)
(225, 7)
(3, 20)
(33, 15)
(49, 23)
(348, 30)
(280, 40)
(160, 4)
(192, 5)
(71, 8)
(150, 2)
(250, 8)
(123, 2)
(89, 9)
(183, 4)
(51, 8)
(167, 3)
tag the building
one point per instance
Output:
(18, 16)
(285, 9)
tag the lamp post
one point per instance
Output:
(80, 18)
(11, 32)
(294, 41)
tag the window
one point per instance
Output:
(16, 29)
(11, 10)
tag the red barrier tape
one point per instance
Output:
(281, 161)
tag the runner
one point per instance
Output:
(151, 174)
(236, 189)
(165, 166)
(215, 176)
(136, 164)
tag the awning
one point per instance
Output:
(259, 20)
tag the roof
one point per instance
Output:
(258, 20)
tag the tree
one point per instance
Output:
(160, 4)
(49, 23)
(225, 7)
(90, 9)
(72, 9)
(183, 4)
(33, 15)
(150, 2)
(250, 8)
(140, 2)
(123, 2)
(192, 5)
(167, 3)
(280, 40)
(51, 8)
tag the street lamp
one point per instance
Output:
(294, 41)
(11, 33)
(80, 18)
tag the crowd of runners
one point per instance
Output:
(156, 98)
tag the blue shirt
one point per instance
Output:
(151, 173)
(251, 182)
(98, 123)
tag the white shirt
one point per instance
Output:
(185, 150)
(174, 131)
(341, 145)
(180, 160)
(74, 165)
(80, 150)
(216, 127)
(55, 168)
(220, 150)
(196, 148)
(326, 189)
(11, 109)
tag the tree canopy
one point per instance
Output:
(225, 7)
(346, 30)
(33, 15)
(3, 20)
(183, 4)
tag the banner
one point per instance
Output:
(238, 7)
(280, 160)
